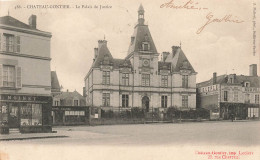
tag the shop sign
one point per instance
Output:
(23, 98)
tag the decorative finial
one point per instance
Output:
(141, 8)
(8, 12)
(104, 37)
(180, 44)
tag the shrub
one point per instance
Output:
(137, 112)
(107, 114)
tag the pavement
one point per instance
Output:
(70, 131)
(26, 136)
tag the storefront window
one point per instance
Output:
(26, 115)
(3, 115)
(36, 114)
(31, 114)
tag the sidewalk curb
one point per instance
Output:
(26, 138)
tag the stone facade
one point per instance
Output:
(231, 94)
(141, 79)
(25, 72)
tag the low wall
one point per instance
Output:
(115, 121)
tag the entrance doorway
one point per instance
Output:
(145, 103)
(13, 119)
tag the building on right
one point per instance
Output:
(231, 96)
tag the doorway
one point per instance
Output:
(13, 118)
(145, 103)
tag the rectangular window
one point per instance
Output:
(185, 101)
(76, 103)
(253, 112)
(185, 81)
(257, 98)
(56, 103)
(125, 79)
(145, 47)
(106, 99)
(36, 114)
(125, 100)
(9, 43)
(31, 114)
(235, 96)
(164, 101)
(247, 98)
(225, 95)
(164, 81)
(106, 77)
(3, 114)
(8, 76)
(145, 79)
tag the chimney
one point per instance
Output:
(84, 92)
(214, 78)
(32, 21)
(253, 70)
(164, 56)
(132, 39)
(101, 43)
(95, 53)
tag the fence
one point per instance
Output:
(118, 115)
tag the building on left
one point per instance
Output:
(25, 79)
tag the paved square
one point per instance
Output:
(204, 133)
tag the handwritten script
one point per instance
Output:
(192, 5)
(210, 19)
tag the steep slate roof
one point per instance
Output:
(254, 81)
(178, 59)
(140, 33)
(67, 95)
(240, 79)
(55, 85)
(10, 21)
(104, 54)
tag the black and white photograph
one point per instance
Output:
(132, 79)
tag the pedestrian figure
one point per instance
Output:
(232, 117)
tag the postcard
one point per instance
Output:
(113, 79)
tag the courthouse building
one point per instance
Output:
(232, 94)
(140, 79)
(25, 79)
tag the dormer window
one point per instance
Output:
(247, 84)
(145, 46)
(75, 102)
(106, 59)
(231, 80)
(132, 39)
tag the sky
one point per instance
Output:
(222, 47)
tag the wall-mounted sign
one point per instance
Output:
(24, 98)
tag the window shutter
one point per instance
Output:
(15, 44)
(18, 77)
(1, 41)
(1, 75)
(17, 47)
